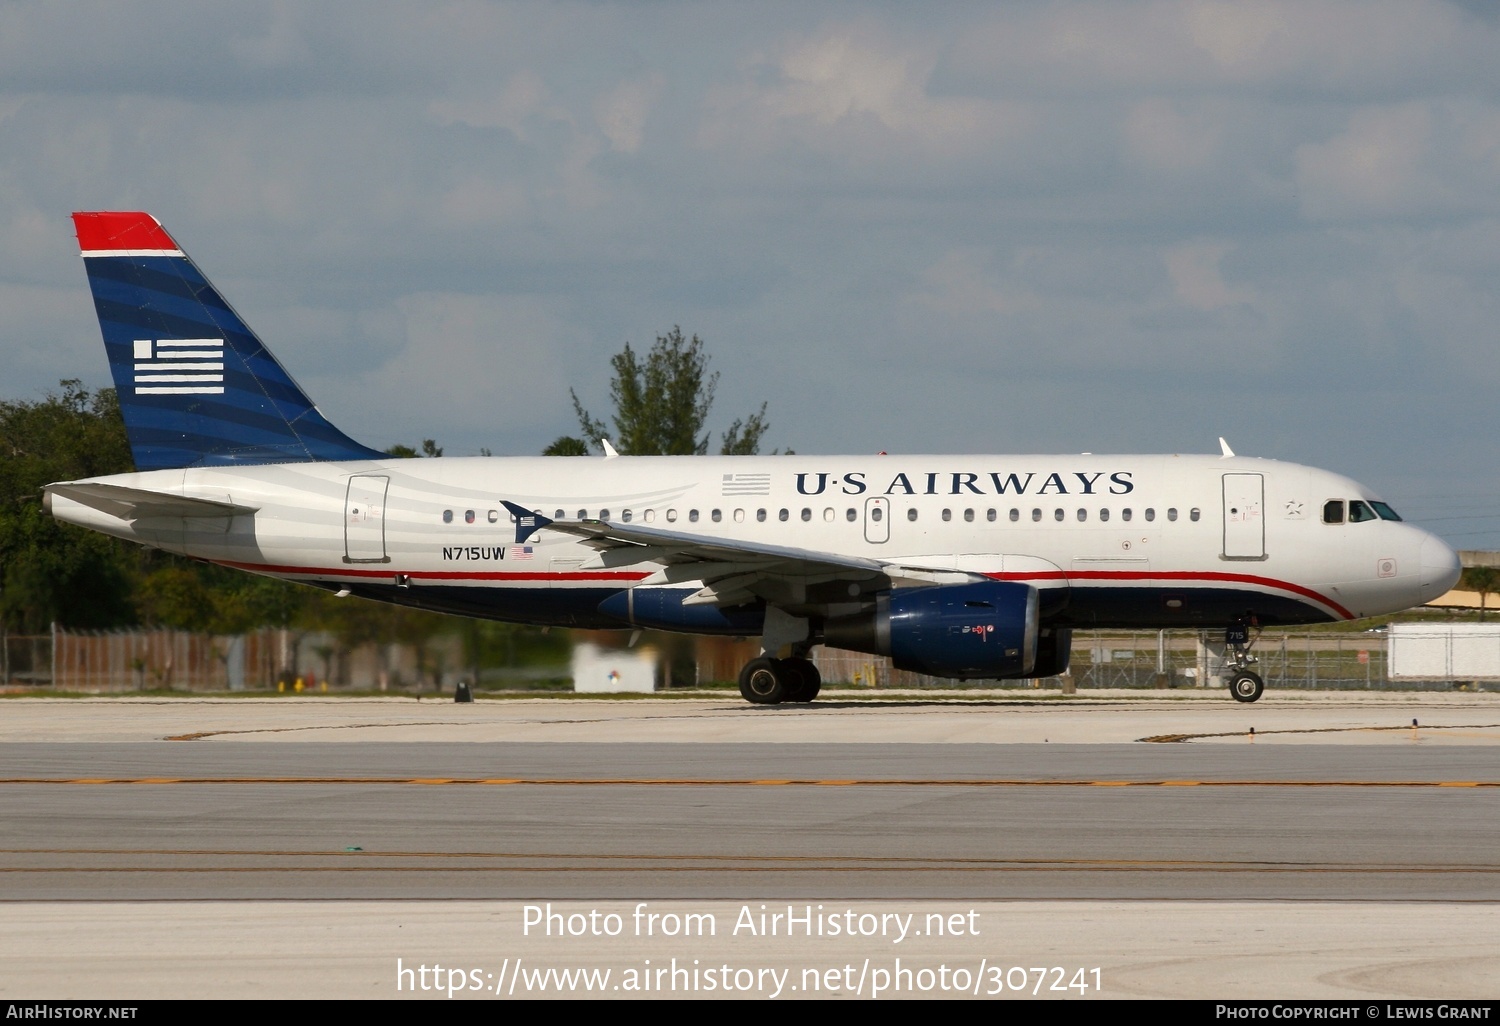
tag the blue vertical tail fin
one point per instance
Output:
(196, 386)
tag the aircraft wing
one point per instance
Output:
(732, 571)
(139, 503)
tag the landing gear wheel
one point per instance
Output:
(1246, 686)
(803, 681)
(762, 683)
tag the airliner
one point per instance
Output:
(962, 566)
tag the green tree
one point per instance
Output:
(567, 445)
(406, 452)
(1483, 579)
(661, 403)
(51, 571)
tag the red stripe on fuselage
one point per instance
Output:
(637, 575)
(444, 575)
(1174, 575)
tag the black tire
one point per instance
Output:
(808, 680)
(762, 683)
(1246, 686)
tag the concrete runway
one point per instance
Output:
(1131, 847)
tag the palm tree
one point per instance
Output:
(1483, 579)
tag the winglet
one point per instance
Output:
(1223, 445)
(528, 522)
(609, 450)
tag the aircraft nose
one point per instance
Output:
(1440, 568)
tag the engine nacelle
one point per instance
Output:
(986, 630)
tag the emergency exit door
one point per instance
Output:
(364, 519)
(1244, 516)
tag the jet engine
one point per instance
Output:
(986, 630)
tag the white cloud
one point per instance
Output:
(962, 287)
(1404, 160)
(1341, 46)
(523, 96)
(621, 113)
(1161, 136)
(1196, 279)
(853, 93)
(480, 364)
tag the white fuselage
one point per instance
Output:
(1151, 541)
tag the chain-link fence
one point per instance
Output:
(1174, 659)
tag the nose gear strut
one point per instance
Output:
(1244, 683)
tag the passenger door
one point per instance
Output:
(1244, 516)
(364, 519)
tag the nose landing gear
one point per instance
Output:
(1245, 685)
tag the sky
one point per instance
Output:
(1130, 226)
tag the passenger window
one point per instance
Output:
(1193, 514)
(671, 516)
(947, 515)
(850, 515)
(1083, 515)
(876, 514)
(828, 515)
(1359, 512)
(1333, 511)
(1172, 513)
(760, 516)
(1036, 516)
(968, 516)
(1125, 514)
(1104, 514)
(739, 516)
(650, 516)
(1015, 514)
(583, 514)
(494, 515)
(716, 516)
(990, 516)
(1150, 515)
(911, 514)
(468, 516)
(604, 514)
(560, 514)
(692, 516)
(625, 515)
(1058, 515)
(784, 515)
(447, 516)
(806, 514)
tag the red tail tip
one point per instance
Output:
(115, 231)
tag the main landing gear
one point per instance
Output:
(767, 681)
(1244, 683)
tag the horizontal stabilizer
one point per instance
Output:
(139, 503)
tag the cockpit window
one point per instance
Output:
(1333, 511)
(1359, 512)
(1385, 512)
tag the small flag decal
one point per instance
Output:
(747, 484)
(179, 366)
